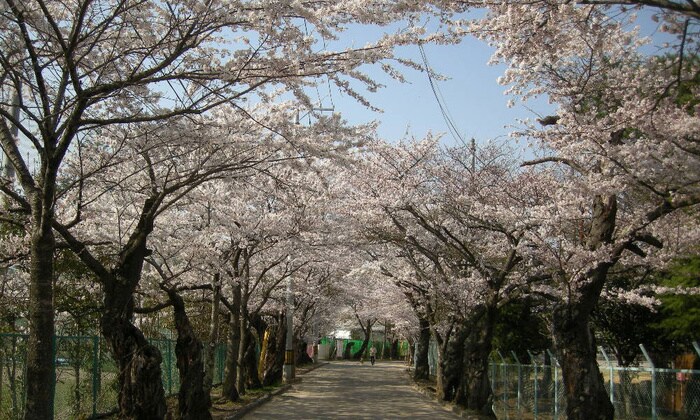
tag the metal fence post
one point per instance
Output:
(95, 373)
(653, 382)
(221, 352)
(520, 375)
(170, 373)
(54, 350)
(697, 347)
(556, 383)
(534, 364)
(492, 374)
(504, 380)
(610, 366)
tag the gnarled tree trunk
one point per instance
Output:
(250, 364)
(474, 392)
(422, 370)
(302, 356)
(193, 400)
(141, 394)
(451, 364)
(586, 397)
(274, 358)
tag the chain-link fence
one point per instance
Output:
(535, 390)
(524, 391)
(86, 376)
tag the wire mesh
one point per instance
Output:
(86, 375)
(536, 391)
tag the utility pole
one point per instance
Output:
(473, 149)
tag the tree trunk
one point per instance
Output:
(440, 388)
(301, 354)
(422, 370)
(260, 328)
(41, 370)
(2, 376)
(274, 358)
(474, 391)
(193, 400)
(229, 389)
(394, 352)
(586, 397)
(244, 334)
(365, 343)
(452, 364)
(141, 394)
(250, 362)
(210, 355)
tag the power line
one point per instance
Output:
(447, 116)
(449, 121)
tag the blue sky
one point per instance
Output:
(472, 94)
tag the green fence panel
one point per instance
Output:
(13, 351)
(86, 375)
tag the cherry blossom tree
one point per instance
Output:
(458, 220)
(82, 68)
(623, 139)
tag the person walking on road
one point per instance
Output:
(372, 355)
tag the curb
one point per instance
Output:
(314, 368)
(257, 403)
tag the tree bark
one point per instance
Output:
(229, 389)
(193, 400)
(274, 358)
(422, 371)
(586, 397)
(452, 364)
(141, 394)
(210, 354)
(250, 362)
(367, 330)
(441, 389)
(474, 392)
(302, 356)
(244, 335)
(394, 352)
(41, 370)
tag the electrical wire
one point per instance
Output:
(449, 120)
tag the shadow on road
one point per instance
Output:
(345, 389)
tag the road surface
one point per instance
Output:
(347, 389)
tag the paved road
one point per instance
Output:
(344, 389)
